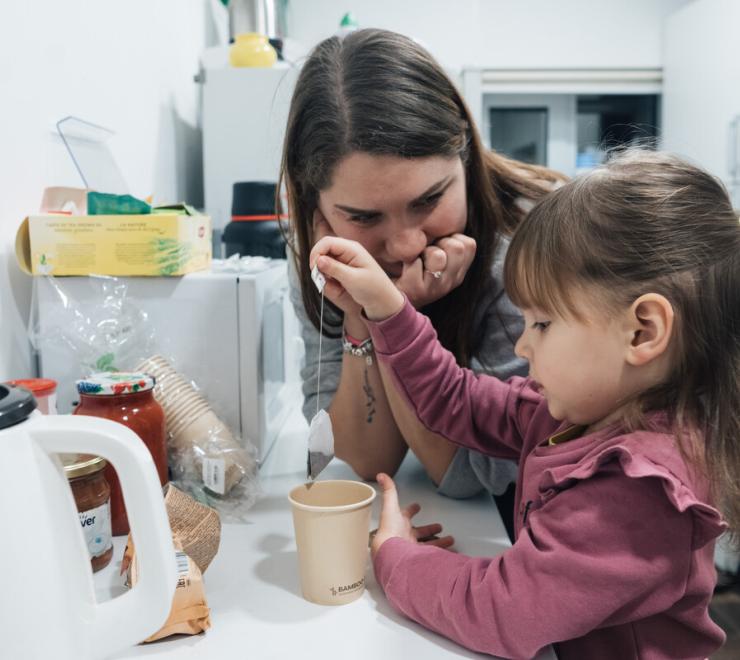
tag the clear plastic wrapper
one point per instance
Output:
(206, 459)
(238, 264)
(109, 333)
(107, 330)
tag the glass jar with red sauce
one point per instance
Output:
(126, 398)
(92, 497)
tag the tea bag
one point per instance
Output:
(320, 444)
(320, 434)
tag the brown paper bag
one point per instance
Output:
(196, 533)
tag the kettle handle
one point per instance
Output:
(127, 619)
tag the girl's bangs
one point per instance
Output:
(535, 272)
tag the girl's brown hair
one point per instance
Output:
(650, 222)
(381, 93)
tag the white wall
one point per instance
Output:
(506, 33)
(702, 83)
(129, 66)
(125, 65)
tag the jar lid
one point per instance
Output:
(41, 386)
(16, 404)
(81, 465)
(115, 382)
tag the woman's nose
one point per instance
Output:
(406, 245)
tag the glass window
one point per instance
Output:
(520, 133)
(608, 121)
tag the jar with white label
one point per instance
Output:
(92, 496)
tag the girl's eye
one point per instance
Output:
(540, 325)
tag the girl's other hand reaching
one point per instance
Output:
(355, 276)
(395, 522)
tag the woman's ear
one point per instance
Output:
(651, 324)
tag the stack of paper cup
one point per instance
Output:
(196, 431)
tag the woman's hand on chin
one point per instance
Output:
(439, 269)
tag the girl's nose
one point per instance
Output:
(521, 348)
(406, 245)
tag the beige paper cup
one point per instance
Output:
(332, 523)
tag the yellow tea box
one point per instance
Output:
(154, 244)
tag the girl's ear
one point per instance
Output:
(651, 324)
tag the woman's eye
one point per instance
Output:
(364, 218)
(540, 325)
(429, 202)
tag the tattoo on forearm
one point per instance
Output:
(369, 397)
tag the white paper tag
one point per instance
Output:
(318, 279)
(214, 477)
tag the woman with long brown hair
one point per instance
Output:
(381, 148)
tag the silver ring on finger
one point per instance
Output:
(436, 274)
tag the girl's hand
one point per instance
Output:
(351, 309)
(396, 522)
(355, 277)
(450, 258)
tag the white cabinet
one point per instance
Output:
(701, 87)
(245, 111)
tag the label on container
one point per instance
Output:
(214, 477)
(183, 570)
(96, 528)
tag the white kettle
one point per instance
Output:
(47, 603)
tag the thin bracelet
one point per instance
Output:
(348, 337)
(358, 349)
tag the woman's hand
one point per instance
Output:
(440, 268)
(395, 522)
(355, 277)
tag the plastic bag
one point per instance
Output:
(206, 459)
(104, 329)
(109, 333)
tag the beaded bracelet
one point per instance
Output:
(358, 348)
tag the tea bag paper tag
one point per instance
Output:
(320, 444)
(318, 279)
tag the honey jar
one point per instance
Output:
(92, 496)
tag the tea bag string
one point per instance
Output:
(321, 335)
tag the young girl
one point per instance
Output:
(627, 431)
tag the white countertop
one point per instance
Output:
(253, 588)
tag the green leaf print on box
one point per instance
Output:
(171, 255)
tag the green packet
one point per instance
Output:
(109, 204)
(181, 209)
